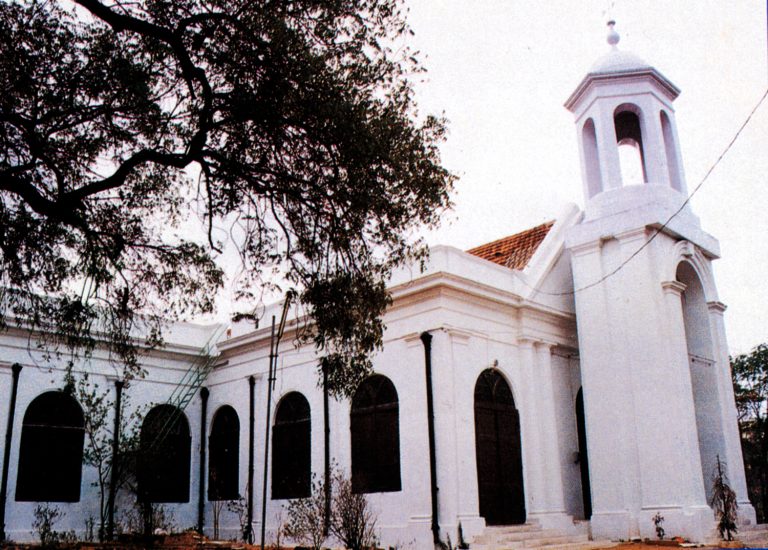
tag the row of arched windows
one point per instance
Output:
(54, 423)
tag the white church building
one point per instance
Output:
(573, 376)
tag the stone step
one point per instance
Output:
(514, 536)
(583, 545)
(531, 525)
(542, 539)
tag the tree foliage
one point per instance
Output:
(290, 124)
(750, 384)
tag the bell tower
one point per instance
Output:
(658, 399)
(624, 103)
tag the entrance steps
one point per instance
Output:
(532, 535)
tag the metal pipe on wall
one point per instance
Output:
(204, 393)
(16, 370)
(426, 339)
(115, 467)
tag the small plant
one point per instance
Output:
(89, 528)
(463, 544)
(280, 531)
(724, 502)
(305, 523)
(352, 521)
(658, 519)
(240, 509)
(45, 519)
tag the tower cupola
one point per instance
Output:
(625, 120)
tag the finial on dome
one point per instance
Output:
(613, 37)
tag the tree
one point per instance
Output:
(750, 384)
(99, 408)
(290, 124)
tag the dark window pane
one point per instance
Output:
(52, 427)
(164, 456)
(375, 437)
(291, 448)
(224, 460)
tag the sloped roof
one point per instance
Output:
(516, 250)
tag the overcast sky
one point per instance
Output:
(501, 71)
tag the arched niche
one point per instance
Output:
(703, 371)
(670, 150)
(591, 158)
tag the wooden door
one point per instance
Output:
(498, 452)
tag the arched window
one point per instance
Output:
(291, 448)
(164, 447)
(630, 142)
(375, 437)
(51, 452)
(224, 461)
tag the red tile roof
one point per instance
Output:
(516, 250)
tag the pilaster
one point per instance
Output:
(533, 450)
(733, 458)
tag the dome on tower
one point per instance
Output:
(618, 61)
(619, 65)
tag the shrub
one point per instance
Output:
(352, 521)
(45, 519)
(724, 502)
(305, 523)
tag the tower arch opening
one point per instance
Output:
(629, 139)
(670, 151)
(703, 372)
(591, 158)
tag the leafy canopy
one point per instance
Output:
(750, 385)
(291, 123)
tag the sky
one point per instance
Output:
(500, 72)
